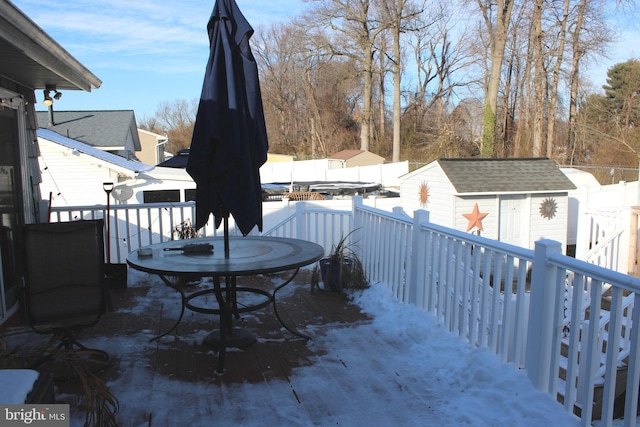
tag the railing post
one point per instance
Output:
(415, 260)
(540, 336)
(357, 224)
(355, 202)
(300, 228)
(627, 256)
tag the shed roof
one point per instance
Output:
(349, 154)
(345, 154)
(505, 175)
(102, 128)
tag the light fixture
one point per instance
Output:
(48, 101)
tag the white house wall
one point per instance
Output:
(304, 170)
(160, 178)
(78, 177)
(387, 174)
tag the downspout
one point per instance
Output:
(51, 121)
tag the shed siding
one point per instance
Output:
(486, 204)
(440, 202)
(544, 228)
(365, 158)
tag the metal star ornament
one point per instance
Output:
(475, 218)
(548, 208)
(424, 194)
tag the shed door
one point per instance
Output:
(512, 220)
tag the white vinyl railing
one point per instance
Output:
(509, 300)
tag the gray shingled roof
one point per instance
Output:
(101, 129)
(505, 175)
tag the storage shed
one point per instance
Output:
(352, 158)
(517, 201)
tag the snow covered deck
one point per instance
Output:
(372, 361)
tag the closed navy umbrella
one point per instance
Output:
(229, 141)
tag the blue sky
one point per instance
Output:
(145, 51)
(151, 51)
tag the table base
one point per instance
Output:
(238, 337)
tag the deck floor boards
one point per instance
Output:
(142, 310)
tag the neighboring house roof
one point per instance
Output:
(155, 135)
(181, 157)
(345, 154)
(177, 161)
(505, 175)
(113, 159)
(30, 57)
(107, 129)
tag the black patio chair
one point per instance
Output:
(65, 289)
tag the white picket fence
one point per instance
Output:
(521, 304)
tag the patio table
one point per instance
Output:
(252, 255)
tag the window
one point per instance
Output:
(190, 195)
(11, 209)
(160, 196)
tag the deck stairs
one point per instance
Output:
(603, 320)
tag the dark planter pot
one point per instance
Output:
(330, 272)
(116, 275)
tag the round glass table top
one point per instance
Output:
(247, 256)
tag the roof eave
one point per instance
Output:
(27, 37)
(499, 193)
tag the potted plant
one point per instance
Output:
(342, 268)
(182, 231)
(185, 230)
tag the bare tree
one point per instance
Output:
(175, 119)
(497, 18)
(397, 15)
(382, 74)
(443, 63)
(590, 36)
(355, 29)
(281, 80)
(309, 95)
(562, 20)
(539, 80)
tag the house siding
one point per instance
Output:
(148, 143)
(78, 177)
